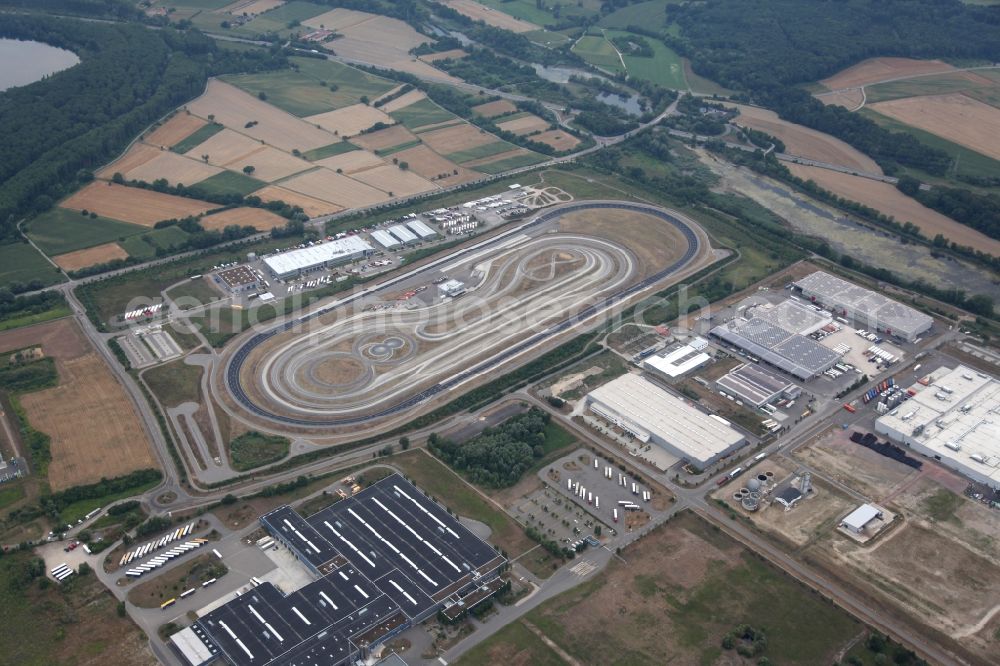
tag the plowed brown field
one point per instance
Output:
(91, 256)
(131, 204)
(178, 127)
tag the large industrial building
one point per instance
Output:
(953, 417)
(652, 415)
(756, 386)
(383, 560)
(786, 350)
(866, 308)
(675, 362)
(315, 257)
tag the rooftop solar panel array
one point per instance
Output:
(391, 555)
(795, 354)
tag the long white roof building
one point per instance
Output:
(651, 414)
(324, 254)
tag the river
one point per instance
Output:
(24, 62)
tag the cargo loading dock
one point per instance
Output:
(385, 559)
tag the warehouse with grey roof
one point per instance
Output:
(867, 308)
(651, 414)
(796, 354)
(315, 257)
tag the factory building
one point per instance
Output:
(786, 350)
(857, 520)
(651, 414)
(756, 386)
(866, 308)
(675, 362)
(405, 236)
(792, 315)
(385, 239)
(421, 229)
(383, 560)
(951, 417)
(291, 264)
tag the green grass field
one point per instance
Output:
(175, 382)
(253, 449)
(665, 68)
(22, 263)
(420, 113)
(924, 85)
(143, 246)
(77, 510)
(510, 163)
(200, 135)
(10, 492)
(277, 19)
(351, 83)
(59, 230)
(547, 38)
(529, 10)
(36, 318)
(478, 152)
(651, 15)
(398, 148)
(230, 182)
(329, 151)
(599, 52)
(967, 161)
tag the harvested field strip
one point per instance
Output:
(230, 182)
(513, 162)
(400, 147)
(955, 117)
(350, 120)
(175, 169)
(329, 151)
(524, 125)
(390, 178)
(458, 138)
(928, 85)
(61, 230)
(437, 126)
(135, 205)
(269, 164)
(404, 100)
(204, 133)
(480, 152)
(224, 147)
(420, 113)
(879, 69)
(451, 54)
(312, 206)
(258, 218)
(330, 186)
(499, 107)
(427, 163)
(100, 254)
(235, 108)
(137, 155)
(356, 160)
(559, 139)
(498, 19)
(175, 129)
(890, 201)
(386, 138)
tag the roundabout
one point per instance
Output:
(374, 358)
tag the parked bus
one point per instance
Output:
(168, 603)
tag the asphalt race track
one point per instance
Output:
(532, 285)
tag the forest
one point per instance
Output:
(498, 457)
(979, 211)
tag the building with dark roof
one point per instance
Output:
(756, 386)
(384, 560)
(796, 354)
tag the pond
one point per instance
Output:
(26, 62)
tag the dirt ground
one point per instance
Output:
(94, 428)
(177, 128)
(234, 108)
(173, 167)
(390, 178)
(386, 138)
(849, 99)
(335, 188)
(489, 16)
(861, 469)
(806, 142)
(356, 160)
(136, 156)
(558, 139)
(525, 125)
(311, 205)
(494, 109)
(132, 204)
(260, 219)
(430, 165)
(99, 254)
(350, 120)
(890, 201)
(879, 69)
(456, 138)
(404, 100)
(955, 117)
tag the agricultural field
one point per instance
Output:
(356, 160)
(665, 68)
(168, 165)
(890, 201)
(385, 139)
(460, 139)
(22, 263)
(599, 52)
(174, 130)
(650, 14)
(312, 206)
(333, 187)
(874, 70)
(134, 205)
(559, 139)
(430, 165)
(694, 585)
(543, 13)
(500, 107)
(91, 256)
(480, 12)
(805, 142)
(421, 113)
(61, 230)
(954, 117)
(350, 120)
(513, 159)
(973, 84)
(522, 124)
(404, 100)
(230, 182)
(94, 429)
(258, 218)
(398, 182)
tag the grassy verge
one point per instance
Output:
(175, 382)
(253, 449)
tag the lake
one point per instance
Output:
(22, 62)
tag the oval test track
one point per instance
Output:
(242, 353)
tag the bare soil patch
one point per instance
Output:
(356, 160)
(258, 218)
(495, 108)
(339, 370)
(489, 16)
(132, 204)
(234, 108)
(91, 256)
(390, 178)
(350, 120)
(458, 137)
(178, 127)
(404, 100)
(430, 165)
(879, 69)
(312, 206)
(863, 470)
(335, 188)
(558, 139)
(524, 125)
(173, 167)
(966, 121)
(806, 142)
(890, 201)
(386, 138)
